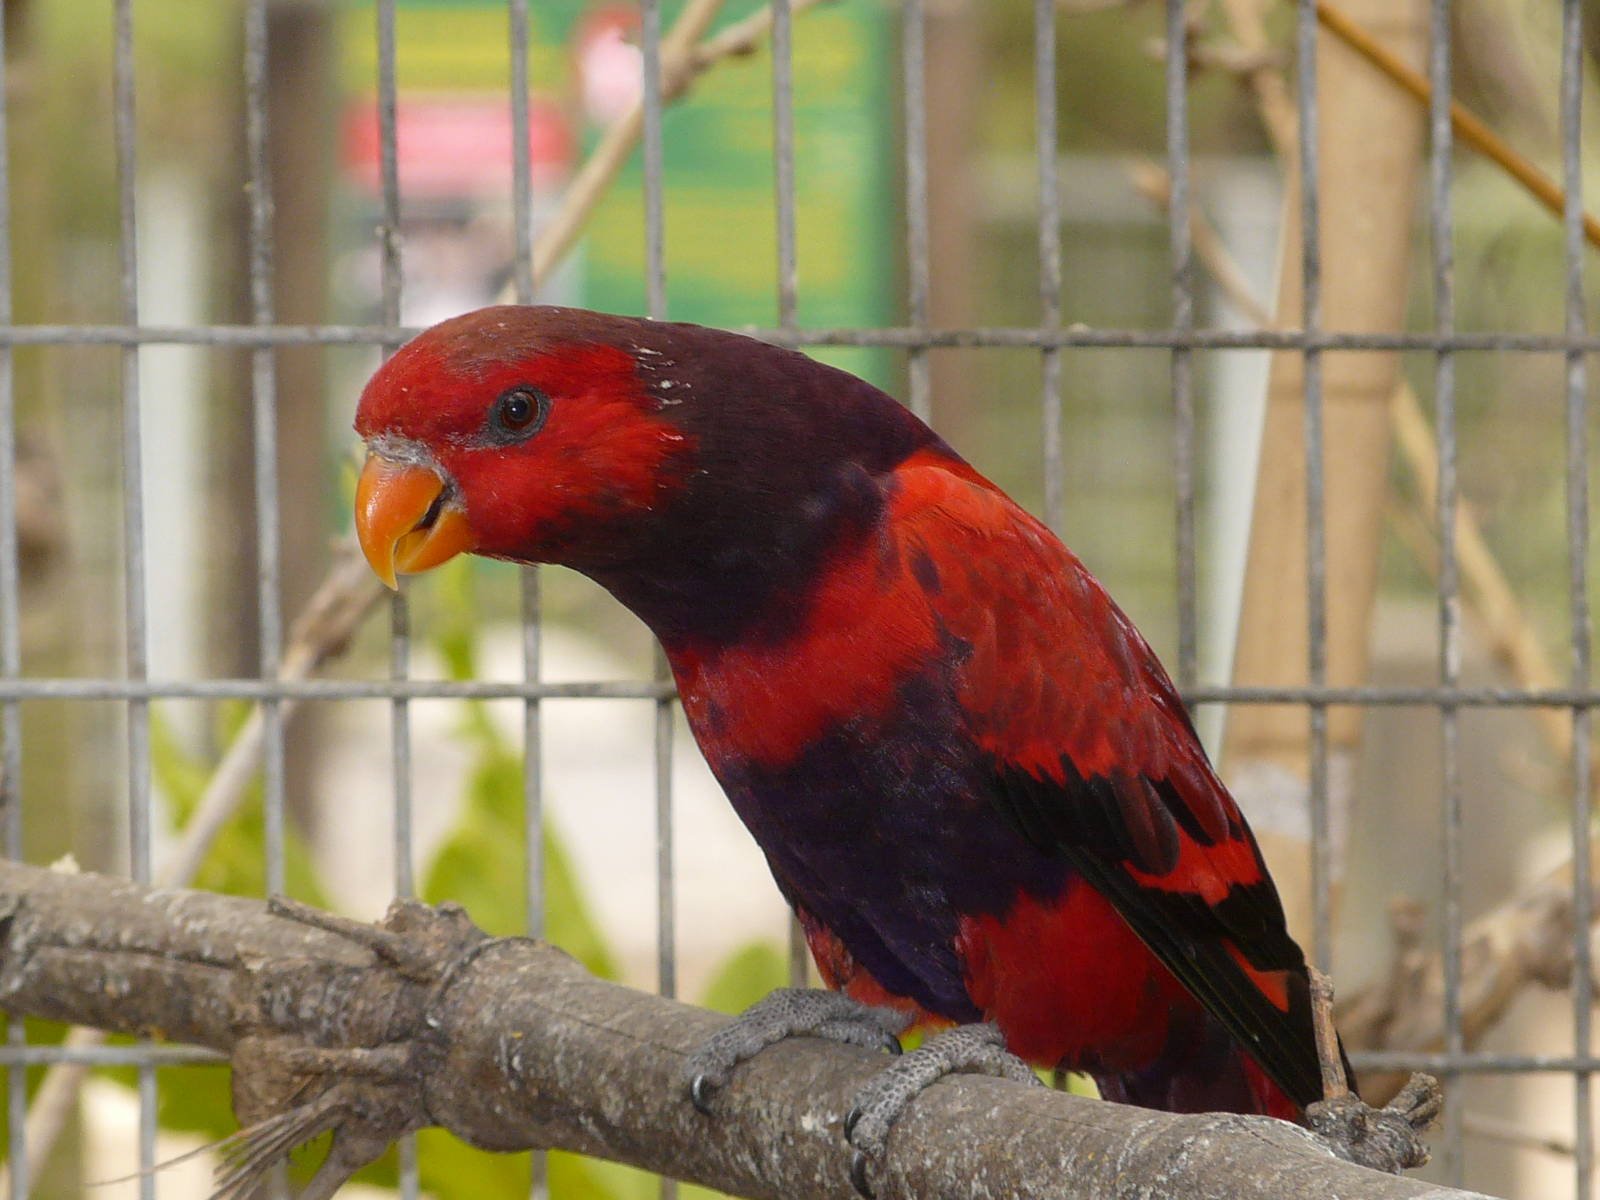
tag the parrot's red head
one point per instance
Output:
(686, 469)
(518, 433)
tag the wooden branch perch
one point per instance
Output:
(510, 1044)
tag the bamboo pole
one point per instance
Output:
(1369, 144)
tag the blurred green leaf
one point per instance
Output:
(747, 975)
(453, 617)
(451, 1169)
(480, 865)
(236, 863)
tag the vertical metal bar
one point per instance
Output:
(656, 303)
(656, 299)
(392, 279)
(1442, 227)
(532, 732)
(913, 39)
(521, 165)
(1316, 550)
(522, 275)
(1049, 169)
(136, 632)
(666, 908)
(783, 158)
(10, 556)
(788, 291)
(264, 400)
(656, 306)
(654, 167)
(1578, 583)
(533, 794)
(132, 458)
(1183, 322)
(263, 396)
(10, 633)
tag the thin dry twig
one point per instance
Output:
(322, 631)
(1511, 636)
(1248, 25)
(684, 57)
(740, 38)
(1469, 128)
(1153, 182)
(1219, 55)
(1278, 112)
(1390, 1137)
(600, 169)
(1334, 1084)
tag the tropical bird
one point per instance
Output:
(971, 777)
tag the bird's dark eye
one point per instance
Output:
(518, 413)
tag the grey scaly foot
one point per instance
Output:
(1385, 1139)
(789, 1012)
(979, 1049)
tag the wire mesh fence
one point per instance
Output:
(916, 336)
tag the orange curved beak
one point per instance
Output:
(401, 523)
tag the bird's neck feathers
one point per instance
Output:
(718, 570)
(789, 469)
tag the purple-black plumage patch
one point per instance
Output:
(888, 837)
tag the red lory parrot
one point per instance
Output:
(972, 779)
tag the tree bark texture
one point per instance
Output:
(512, 1045)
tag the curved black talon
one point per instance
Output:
(850, 1120)
(701, 1090)
(858, 1176)
(892, 1045)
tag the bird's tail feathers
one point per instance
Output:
(1206, 1073)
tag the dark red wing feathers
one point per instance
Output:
(1095, 759)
